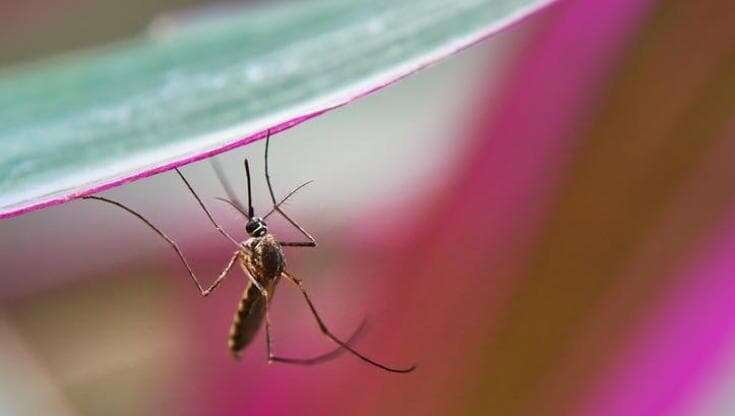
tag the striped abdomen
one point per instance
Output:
(248, 319)
(265, 263)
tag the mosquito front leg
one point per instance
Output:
(277, 208)
(172, 243)
(310, 243)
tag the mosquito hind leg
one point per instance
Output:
(330, 355)
(271, 357)
(328, 333)
(327, 356)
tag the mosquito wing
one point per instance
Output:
(219, 171)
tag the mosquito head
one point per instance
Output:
(256, 227)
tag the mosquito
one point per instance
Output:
(262, 260)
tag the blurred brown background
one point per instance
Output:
(543, 222)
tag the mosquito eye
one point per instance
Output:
(256, 227)
(251, 227)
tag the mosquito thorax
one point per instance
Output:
(256, 227)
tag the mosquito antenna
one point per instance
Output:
(241, 210)
(278, 205)
(251, 212)
(235, 205)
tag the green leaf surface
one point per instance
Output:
(82, 123)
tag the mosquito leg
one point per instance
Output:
(276, 205)
(297, 243)
(268, 344)
(222, 275)
(255, 283)
(267, 173)
(310, 243)
(302, 361)
(172, 243)
(330, 335)
(267, 297)
(277, 208)
(206, 211)
(322, 357)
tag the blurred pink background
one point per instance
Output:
(544, 223)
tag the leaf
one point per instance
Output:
(83, 123)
